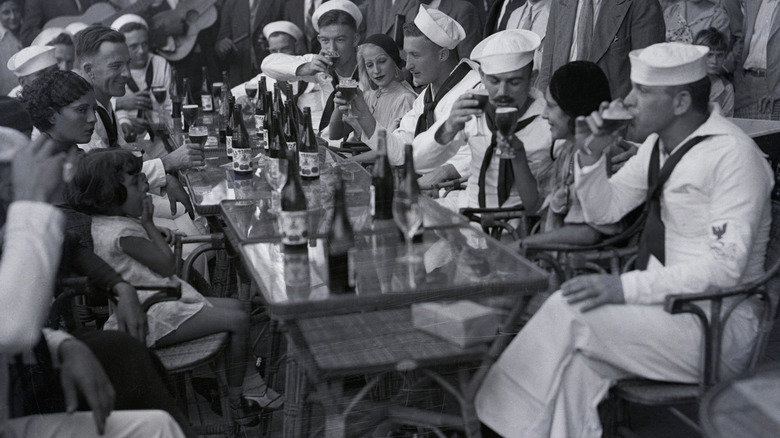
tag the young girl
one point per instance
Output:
(576, 89)
(109, 185)
(386, 94)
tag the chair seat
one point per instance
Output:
(656, 393)
(191, 354)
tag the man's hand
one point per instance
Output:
(147, 214)
(441, 174)
(593, 291)
(766, 103)
(140, 100)
(224, 47)
(462, 111)
(623, 151)
(358, 103)
(318, 64)
(37, 170)
(176, 193)
(187, 156)
(130, 318)
(134, 125)
(590, 138)
(81, 373)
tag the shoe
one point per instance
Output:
(245, 413)
(256, 390)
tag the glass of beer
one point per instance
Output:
(348, 89)
(190, 114)
(506, 122)
(482, 97)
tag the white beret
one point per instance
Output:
(668, 64)
(127, 19)
(439, 27)
(31, 60)
(47, 35)
(506, 51)
(341, 5)
(283, 26)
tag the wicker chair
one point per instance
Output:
(720, 304)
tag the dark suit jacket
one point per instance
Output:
(234, 24)
(491, 20)
(622, 26)
(383, 20)
(38, 12)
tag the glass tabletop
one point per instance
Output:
(457, 262)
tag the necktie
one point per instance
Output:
(109, 125)
(510, 7)
(427, 118)
(526, 22)
(585, 29)
(652, 239)
(506, 173)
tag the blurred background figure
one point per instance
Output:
(30, 63)
(10, 19)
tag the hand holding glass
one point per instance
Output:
(348, 89)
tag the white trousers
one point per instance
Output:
(120, 424)
(551, 378)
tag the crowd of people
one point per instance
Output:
(88, 188)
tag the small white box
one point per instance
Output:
(464, 323)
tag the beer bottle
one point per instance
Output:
(267, 123)
(381, 203)
(186, 100)
(206, 99)
(409, 185)
(260, 111)
(173, 92)
(230, 127)
(290, 130)
(226, 82)
(341, 245)
(223, 117)
(308, 151)
(278, 106)
(242, 151)
(278, 144)
(294, 220)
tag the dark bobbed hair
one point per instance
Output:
(578, 88)
(97, 187)
(89, 40)
(337, 16)
(51, 92)
(712, 38)
(13, 115)
(63, 38)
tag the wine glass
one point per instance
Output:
(251, 91)
(407, 214)
(190, 114)
(275, 171)
(348, 89)
(333, 56)
(506, 122)
(481, 96)
(159, 93)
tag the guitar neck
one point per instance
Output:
(136, 8)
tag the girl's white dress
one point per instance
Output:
(163, 318)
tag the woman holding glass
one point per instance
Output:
(386, 94)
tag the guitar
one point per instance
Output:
(172, 33)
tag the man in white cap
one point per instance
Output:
(429, 43)
(336, 22)
(147, 71)
(62, 41)
(506, 67)
(29, 63)
(707, 227)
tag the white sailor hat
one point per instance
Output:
(668, 64)
(439, 27)
(342, 5)
(47, 35)
(127, 19)
(506, 51)
(74, 28)
(31, 59)
(283, 26)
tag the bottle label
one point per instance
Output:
(372, 200)
(264, 140)
(242, 160)
(229, 145)
(259, 120)
(294, 226)
(212, 142)
(206, 103)
(309, 163)
(290, 145)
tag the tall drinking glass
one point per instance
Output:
(190, 114)
(506, 122)
(407, 214)
(333, 56)
(275, 171)
(482, 97)
(251, 92)
(348, 89)
(160, 93)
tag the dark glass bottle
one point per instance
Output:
(206, 99)
(186, 100)
(382, 181)
(267, 122)
(260, 111)
(223, 117)
(294, 219)
(175, 95)
(226, 82)
(409, 185)
(242, 150)
(308, 151)
(341, 245)
(278, 144)
(230, 127)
